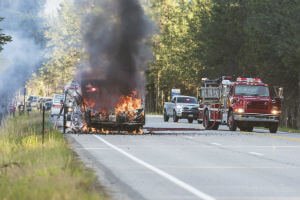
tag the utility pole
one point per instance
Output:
(25, 91)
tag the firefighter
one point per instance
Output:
(12, 110)
(1, 114)
(28, 108)
(21, 109)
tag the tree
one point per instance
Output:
(64, 49)
(3, 38)
(255, 38)
(176, 63)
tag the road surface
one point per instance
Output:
(183, 161)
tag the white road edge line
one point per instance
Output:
(256, 154)
(189, 137)
(215, 143)
(91, 148)
(171, 178)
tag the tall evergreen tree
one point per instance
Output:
(3, 38)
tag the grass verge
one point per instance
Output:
(289, 130)
(32, 170)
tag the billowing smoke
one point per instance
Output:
(115, 41)
(20, 58)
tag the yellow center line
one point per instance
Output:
(272, 136)
(286, 138)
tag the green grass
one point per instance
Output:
(32, 170)
(289, 130)
(284, 129)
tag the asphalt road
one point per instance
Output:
(183, 161)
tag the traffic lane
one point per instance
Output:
(156, 121)
(177, 154)
(124, 178)
(281, 148)
(268, 147)
(202, 165)
(233, 172)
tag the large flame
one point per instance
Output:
(127, 104)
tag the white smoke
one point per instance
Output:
(21, 57)
(51, 8)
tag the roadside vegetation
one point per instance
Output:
(32, 170)
(289, 130)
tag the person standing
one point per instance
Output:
(12, 110)
(2, 113)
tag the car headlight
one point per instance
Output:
(240, 110)
(275, 112)
(179, 107)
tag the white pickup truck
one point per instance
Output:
(181, 107)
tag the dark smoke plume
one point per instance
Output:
(115, 42)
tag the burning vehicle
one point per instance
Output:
(122, 113)
(83, 112)
(111, 75)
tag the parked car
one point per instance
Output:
(42, 102)
(32, 101)
(48, 105)
(57, 102)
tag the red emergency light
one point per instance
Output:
(249, 80)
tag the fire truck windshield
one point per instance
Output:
(252, 90)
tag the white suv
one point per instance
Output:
(56, 104)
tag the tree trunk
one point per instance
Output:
(298, 104)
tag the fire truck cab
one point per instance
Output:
(243, 104)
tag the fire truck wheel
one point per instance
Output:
(175, 118)
(231, 122)
(166, 117)
(206, 123)
(190, 120)
(273, 128)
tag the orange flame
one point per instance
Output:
(128, 104)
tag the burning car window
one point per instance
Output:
(252, 90)
(186, 100)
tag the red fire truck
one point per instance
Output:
(243, 104)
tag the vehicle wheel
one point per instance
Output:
(216, 126)
(175, 118)
(166, 117)
(249, 128)
(242, 128)
(231, 122)
(138, 130)
(190, 120)
(206, 122)
(273, 128)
